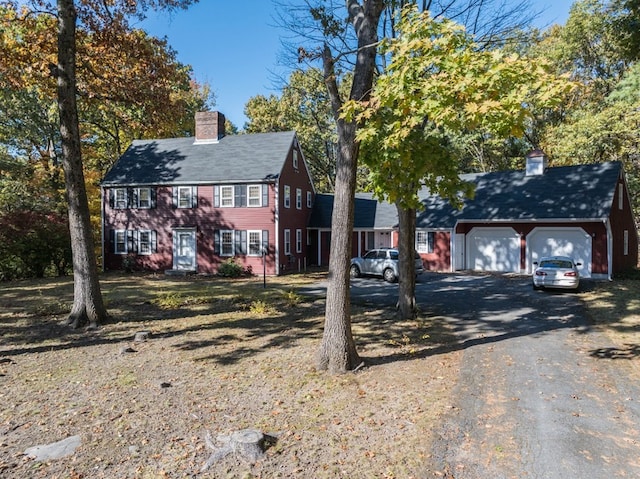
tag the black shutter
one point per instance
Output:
(240, 192)
(174, 197)
(112, 241)
(132, 197)
(154, 241)
(154, 199)
(265, 195)
(216, 242)
(265, 241)
(216, 196)
(240, 247)
(132, 243)
(194, 196)
(112, 198)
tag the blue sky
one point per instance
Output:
(234, 46)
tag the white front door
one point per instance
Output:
(184, 249)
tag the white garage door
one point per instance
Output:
(560, 241)
(493, 249)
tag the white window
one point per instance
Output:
(298, 198)
(255, 243)
(287, 196)
(287, 241)
(309, 200)
(425, 241)
(120, 198)
(226, 243)
(626, 242)
(295, 159)
(145, 243)
(120, 242)
(254, 195)
(185, 197)
(299, 241)
(226, 196)
(144, 197)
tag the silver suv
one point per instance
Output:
(381, 262)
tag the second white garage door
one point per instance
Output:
(560, 241)
(493, 249)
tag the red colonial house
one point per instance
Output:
(189, 204)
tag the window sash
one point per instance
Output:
(254, 239)
(308, 199)
(121, 200)
(299, 241)
(287, 241)
(144, 198)
(226, 196)
(254, 195)
(287, 196)
(424, 241)
(144, 242)
(226, 243)
(184, 197)
(120, 242)
(298, 198)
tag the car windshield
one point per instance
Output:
(556, 263)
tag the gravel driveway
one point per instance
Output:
(534, 400)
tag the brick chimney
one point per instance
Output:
(209, 127)
(537, 163)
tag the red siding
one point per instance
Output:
(622, 220)
(440, 258)
(294, 218)
(164, 218)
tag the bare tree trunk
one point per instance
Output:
(407, 268)
(88, 306)
(337, 352)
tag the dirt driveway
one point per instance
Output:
(535, 399)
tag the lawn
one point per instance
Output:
(223, 355)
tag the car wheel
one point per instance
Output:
(354, 271)
(536, 288)
(389, 276)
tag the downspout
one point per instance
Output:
(607, 225)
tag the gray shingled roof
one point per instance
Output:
(568, 193)
(242, 158)
(583, 192)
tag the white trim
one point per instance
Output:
(287, 197)
(115, 242)
(298, 198)
(607, 225)
(276, 218)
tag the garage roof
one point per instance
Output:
(583, 192)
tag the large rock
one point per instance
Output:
(56, 450)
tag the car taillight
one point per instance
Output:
(571, 273)
(540, 273)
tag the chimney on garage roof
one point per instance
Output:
(209, 127)
(537, 163)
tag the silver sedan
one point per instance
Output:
(556, 272)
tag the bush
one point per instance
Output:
(230, 269)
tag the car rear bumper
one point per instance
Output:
(557, 283)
